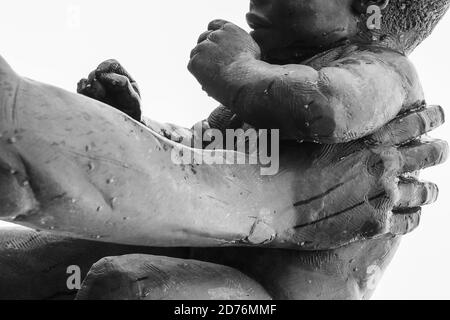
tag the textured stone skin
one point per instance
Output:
(116, 168)
(34, 264)
(145, 277)
(350, 272)
(347, 273)
(14, 153)
(332, 274)
(384, 163)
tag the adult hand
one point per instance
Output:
(365, 189)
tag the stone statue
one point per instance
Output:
(350, 110)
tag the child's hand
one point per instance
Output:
(221, 46)
(110, 83)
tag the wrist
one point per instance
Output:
(239, 74)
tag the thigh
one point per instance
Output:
(33, 265)
(147, 277)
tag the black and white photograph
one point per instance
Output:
(240, 152)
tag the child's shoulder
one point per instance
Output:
(376, 53)
(386, 60)
(370, 62)
(362, 54)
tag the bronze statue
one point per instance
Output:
(350, 110)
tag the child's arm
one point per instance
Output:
(350, 99)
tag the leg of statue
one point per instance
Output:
(351, 272)
(145, 277)
(34, 265)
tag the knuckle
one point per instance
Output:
(194, 64)
(384, 161)
(384, 202)
(215, 36)
(203, 36)
(91, 76)
(109, 63)
(409, 126)
(194, 52)
(119, 81)
(199, 48)
(108, 66)
(217, 24)
(231, 27)
(81, 86)
(374, 165)
(190, 65)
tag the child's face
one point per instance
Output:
(302, 24)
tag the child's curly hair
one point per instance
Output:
(411, 21)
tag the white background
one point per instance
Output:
(60, 41)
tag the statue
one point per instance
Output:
(350, 110)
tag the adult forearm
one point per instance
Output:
(97, 174)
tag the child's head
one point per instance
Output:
(285, 26)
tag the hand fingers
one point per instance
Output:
(81, 86)
(198, 60)
(112, 66)
(204, 36)
(213, 26)
(118, 83)
(217, 24)
(405, 222)
(109, 66)
(91, 76)
(92, 89)
(199, 48)
(223, 118)
(414, 193)
(409, 127)
(114, 81)
(423, 154)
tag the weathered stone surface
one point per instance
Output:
(143, 277)
(33, 265)
(95, 173)
(74, 166)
